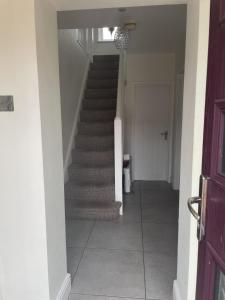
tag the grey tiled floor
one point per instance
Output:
(130, 258)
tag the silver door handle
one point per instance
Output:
(201, 200)
(191, 201)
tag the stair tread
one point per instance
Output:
(94, 136)
(106, 57)
(98, 111)
(91, 151)
(83, 166)
(109, 122)
(101, 89)
(99, 104)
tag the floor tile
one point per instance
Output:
(90, 297)
(86, 297)
(73, 259)
(110, 272)
(154, 185)
(160, 272)
(136, 186)
(116, 235)
(132, 213)
(167, 195)
(160, 211)
(133, 197)
(160, 238)
(77, 232)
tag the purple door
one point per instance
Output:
(211, 268)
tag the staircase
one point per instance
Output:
(90, 192)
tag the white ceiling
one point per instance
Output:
(159, 28)
(91, 4)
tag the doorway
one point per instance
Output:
(190, 123)
(152, 209)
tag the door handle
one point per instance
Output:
(201, 200)
(191, 201)
(165, 134)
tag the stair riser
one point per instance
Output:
(99, 104)
(95, 129)
(90, 195)
(103, 74)
(99, 94)
(91, 116)
(93, 158)
(104, 66)
(105, 58)
(87, 214)
(102, 84)
(92, 176)
(94, 143)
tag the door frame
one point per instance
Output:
(170, 85)
(198, 12)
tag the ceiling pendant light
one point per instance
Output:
(121, 37)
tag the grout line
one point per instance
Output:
(142, 234)
(83, 250)
(109, 296)
(113, 249)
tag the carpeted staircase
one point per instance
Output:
(90, 192)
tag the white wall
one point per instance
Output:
(23, 248)
(192, 137)
(49, 95)
(149, 68)
(73, 60)
(31, 191)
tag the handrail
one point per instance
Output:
(118, 131)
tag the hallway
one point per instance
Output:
(133, 257)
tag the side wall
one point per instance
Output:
(32, 230)
(73, 60)
(49, 94)
(192, 139)
(23, 245)
(150, 68)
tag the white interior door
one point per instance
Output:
(151, 141)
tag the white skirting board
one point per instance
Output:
(176, 291)
(68, 157)
(65, 289)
